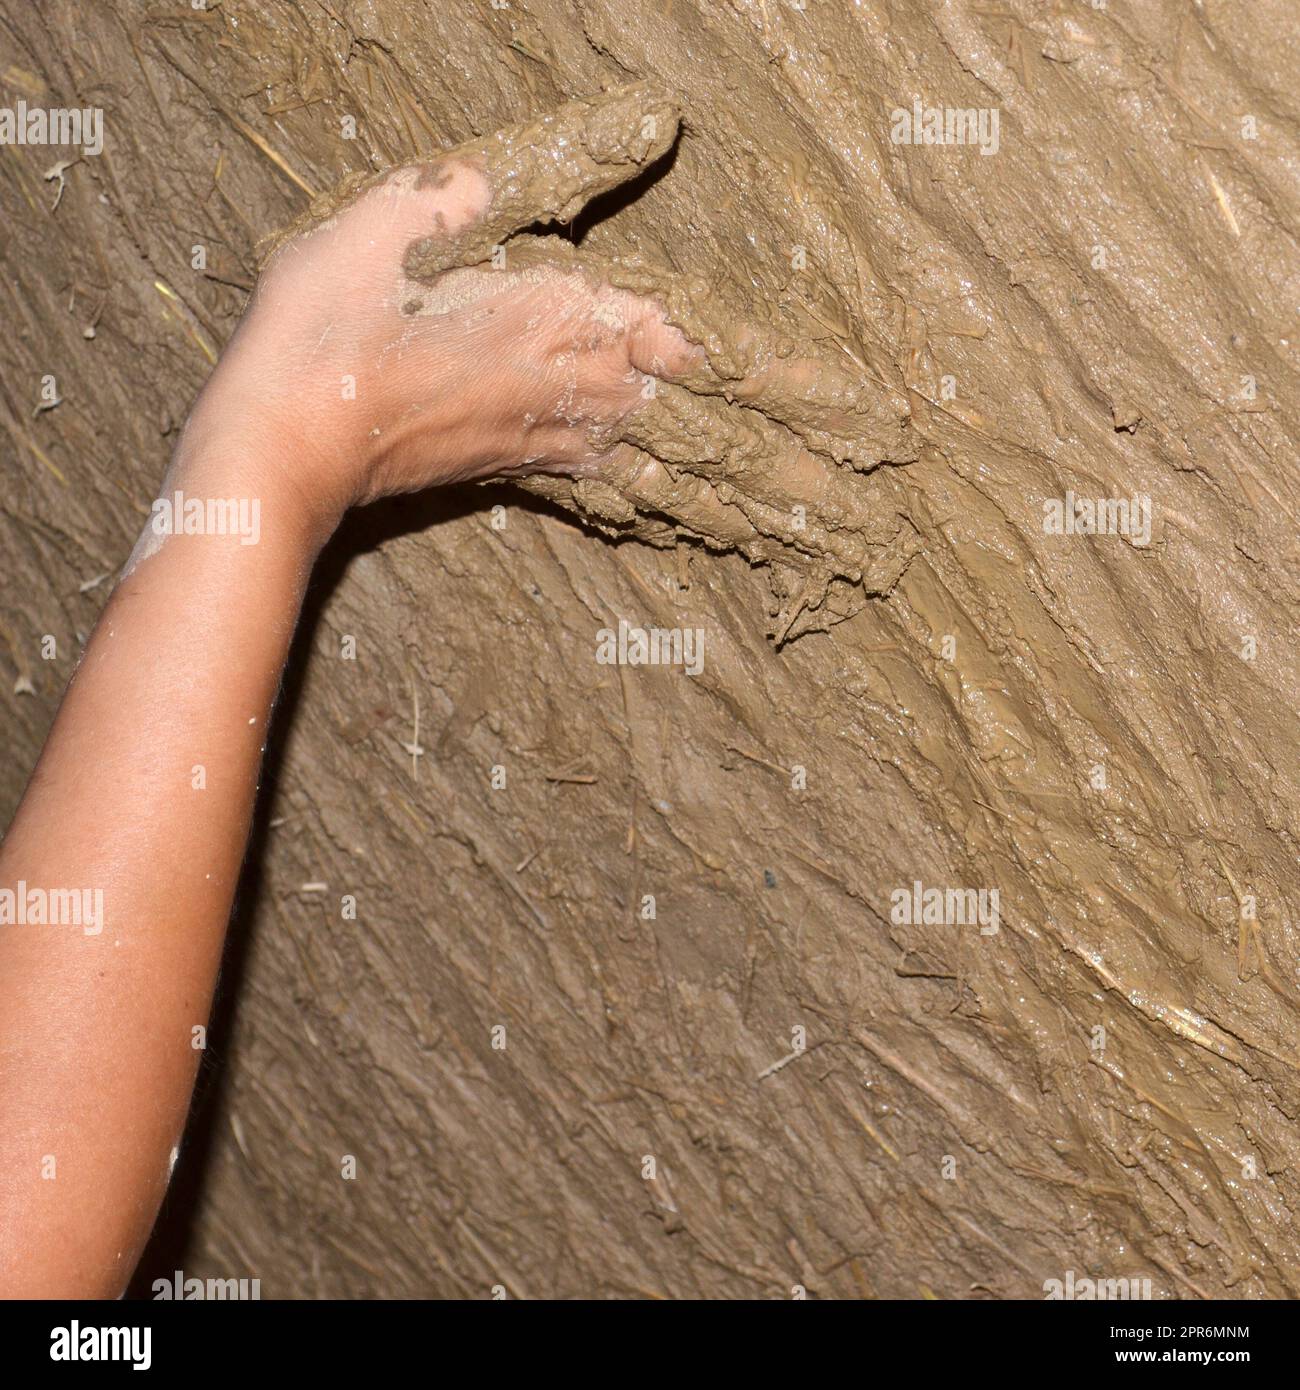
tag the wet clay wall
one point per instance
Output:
(648, 989)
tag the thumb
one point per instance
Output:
(550, 168)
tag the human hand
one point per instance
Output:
(362, 380)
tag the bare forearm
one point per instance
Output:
(364, 373)
(143, 795)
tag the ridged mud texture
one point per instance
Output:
(910, 680)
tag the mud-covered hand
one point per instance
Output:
(398, 338)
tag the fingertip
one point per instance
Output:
(630, 126)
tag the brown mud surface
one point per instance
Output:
(908, 680)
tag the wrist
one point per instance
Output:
(262, 472)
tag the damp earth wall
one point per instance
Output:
(655, 1017)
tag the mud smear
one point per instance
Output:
(1103, 731)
